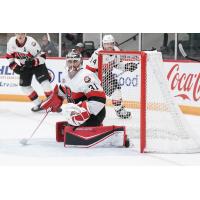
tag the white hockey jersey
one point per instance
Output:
(110, 60)
(19, 54)
(84, 86)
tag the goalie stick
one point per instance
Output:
(180, 46)
(24, 141)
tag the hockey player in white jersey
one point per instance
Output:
(83, 92)
(26, 59)
(111, 87)
(85, 110)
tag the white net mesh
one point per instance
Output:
(167, 131)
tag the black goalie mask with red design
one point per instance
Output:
(74, 62)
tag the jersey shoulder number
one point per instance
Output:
(91, 81)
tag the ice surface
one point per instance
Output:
(18, 122)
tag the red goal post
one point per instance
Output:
(143, 59)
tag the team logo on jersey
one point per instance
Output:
(33, 44)
(87, 79)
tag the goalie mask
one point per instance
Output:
(108, 42)
(73, 63)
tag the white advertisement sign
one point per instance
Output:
(183, 77)
(9, 81)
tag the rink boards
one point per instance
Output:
(183, 78)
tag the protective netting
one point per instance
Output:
(166, 129)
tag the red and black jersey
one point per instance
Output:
(84, 86)
(17, 54)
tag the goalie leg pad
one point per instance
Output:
(101, 136)
(60, 131)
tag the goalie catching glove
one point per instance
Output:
(77, 114)
(53, 102)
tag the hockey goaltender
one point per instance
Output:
(85, 110)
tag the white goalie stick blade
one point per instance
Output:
(23, 141)
(180, 46)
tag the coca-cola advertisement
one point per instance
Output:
(184, 80)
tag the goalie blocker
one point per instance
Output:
(100, 136)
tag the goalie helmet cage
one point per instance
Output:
(157, 123)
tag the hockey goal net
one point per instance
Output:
(156, 123)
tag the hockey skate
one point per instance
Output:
(123, 113)
(36, 108)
